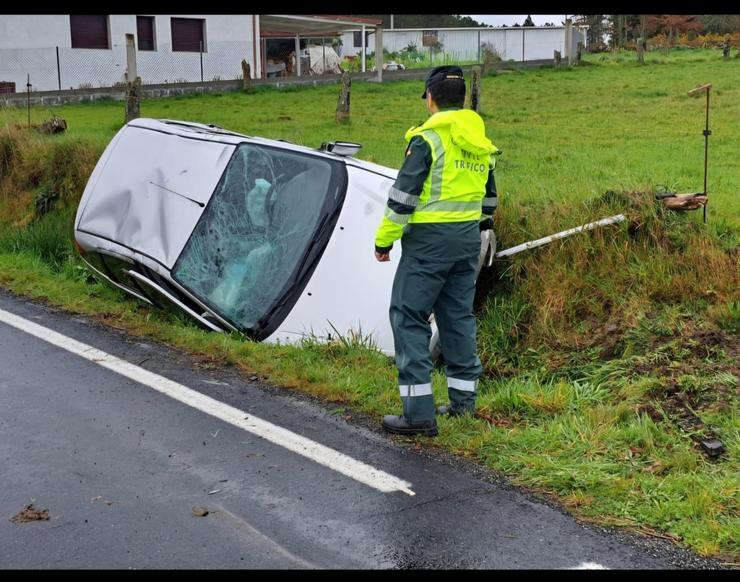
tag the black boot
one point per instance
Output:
(449, 411)
(401, 425)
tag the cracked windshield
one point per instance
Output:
(255, 231)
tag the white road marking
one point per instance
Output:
(298, 444)
(589, 566)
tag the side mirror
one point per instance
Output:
(341, 148)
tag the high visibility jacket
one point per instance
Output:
(455, 186)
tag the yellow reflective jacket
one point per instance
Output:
(455, 187)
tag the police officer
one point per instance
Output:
(443, 197)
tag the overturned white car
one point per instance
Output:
(259, 236)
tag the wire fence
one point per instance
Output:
(59, 68)
(62, 68)
(423, 48)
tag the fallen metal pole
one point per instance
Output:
(548, 239)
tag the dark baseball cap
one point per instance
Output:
(438, 74)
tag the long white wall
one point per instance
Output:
(519, 44)
(28, 46)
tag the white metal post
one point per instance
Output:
(298, 55)
(258, 58)
(130, 58)
(379, 52)
(363, 48)
(523, 31)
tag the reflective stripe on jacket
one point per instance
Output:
(455, 186)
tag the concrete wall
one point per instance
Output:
(53, 98)
(28, 46)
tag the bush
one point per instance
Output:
(598, 47)
(709, 40)
(8, 152)
(490, 53)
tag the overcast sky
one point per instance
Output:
(511, 19)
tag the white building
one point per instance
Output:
(462, 44)
(63, 51)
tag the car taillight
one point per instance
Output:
(79, 248)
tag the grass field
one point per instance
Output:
(594, 348)
(566, 135)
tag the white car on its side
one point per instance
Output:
(264, 237)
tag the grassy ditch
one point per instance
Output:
(609, 356)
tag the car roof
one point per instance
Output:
(212, 132)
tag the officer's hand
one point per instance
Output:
(382, 257)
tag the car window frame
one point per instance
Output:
(301, 274)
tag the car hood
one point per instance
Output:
(144, 193)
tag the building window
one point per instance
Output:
(358, 39)
(145, 33)
(187, 34)
(89, 31)
(429, 38)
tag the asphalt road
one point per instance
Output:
(120, 467)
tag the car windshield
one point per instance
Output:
(253, 246)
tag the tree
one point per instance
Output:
(516, 25)
(672, 24)
(720, 23)
(528, 21)
(597, 26)
(622, 28)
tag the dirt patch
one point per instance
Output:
(682, 401)
(30, 513)
(679, 406)
(701, 345)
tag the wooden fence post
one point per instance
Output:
(343, 101)
(133, 100)
(475, 90)
(246, 76)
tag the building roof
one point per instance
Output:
(312, 25)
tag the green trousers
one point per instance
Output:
(446, 288)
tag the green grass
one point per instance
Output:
(584, 342)
(566, 135)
